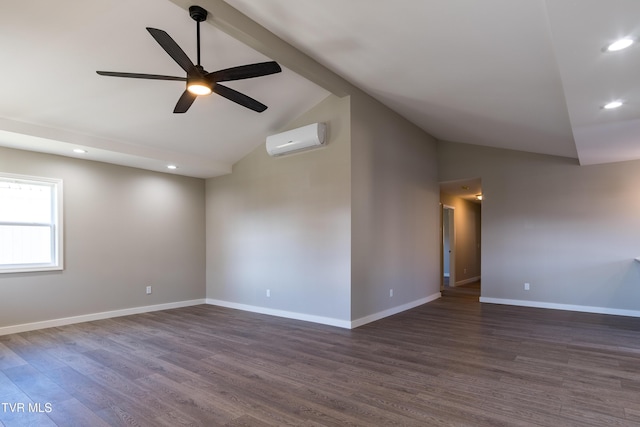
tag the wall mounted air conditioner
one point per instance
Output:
(303, 138)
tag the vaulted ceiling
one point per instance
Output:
(528, 75)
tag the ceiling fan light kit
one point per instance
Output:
(198, 86)
(199, 82)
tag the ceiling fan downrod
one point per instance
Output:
(198, 14)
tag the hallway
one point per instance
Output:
(471, 290)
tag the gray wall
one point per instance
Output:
(395, 195)
(329, 232)
(124, 229)
(467, 224)
(570, 231)
(284, 224)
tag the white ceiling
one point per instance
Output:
(521, 74)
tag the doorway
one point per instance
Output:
(448, 247)
(461, 219)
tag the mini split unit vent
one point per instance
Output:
(303, 138)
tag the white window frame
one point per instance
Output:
(56, 225)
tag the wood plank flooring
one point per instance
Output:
(452, 362)
(470, 289)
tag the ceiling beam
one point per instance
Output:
(244, 29)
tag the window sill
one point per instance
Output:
(34, 269)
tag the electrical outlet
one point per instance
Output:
(526, 286)
(148, 290)
(390, 293)
(268, 293)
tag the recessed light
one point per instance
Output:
(172, 167)
(620, 44)
(612, 105)
(478, 196)
(79, 151)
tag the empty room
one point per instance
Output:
(241, 213)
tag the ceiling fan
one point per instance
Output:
(199, 81)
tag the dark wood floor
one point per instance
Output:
(470, 289)
(449, 362)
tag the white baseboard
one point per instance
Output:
(394, 310)
(324, 320)
(466, 281)
(25, 327)
(282, 313)
(566, 307)
(6, 330)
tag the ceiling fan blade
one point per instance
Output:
(172, 48)
(245, 72)
(239, 98)
(140, 76)
(185, 102)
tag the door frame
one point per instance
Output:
(449, 211)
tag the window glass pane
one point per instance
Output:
(30, 223)
(25, 202)
(25, 244)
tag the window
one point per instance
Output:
(30, 223)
